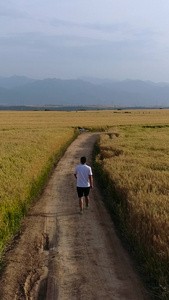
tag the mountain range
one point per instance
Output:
(20, 90)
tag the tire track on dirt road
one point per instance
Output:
(66, 256)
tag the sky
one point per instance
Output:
(68, 39)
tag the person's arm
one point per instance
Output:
(91, 181)
(75, 173)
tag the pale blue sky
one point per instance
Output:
(71, 38)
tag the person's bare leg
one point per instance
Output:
(81, 204)
(87, 201)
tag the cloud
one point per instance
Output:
(40, 41)
(95, 26)
(76, 48)
(119, 31)
(13, 14)
(37, 54)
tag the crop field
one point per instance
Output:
(135, 164)
(29, 149)
(91, 119)
(132, 156)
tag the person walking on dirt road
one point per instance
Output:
(83, 174)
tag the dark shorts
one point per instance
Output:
(83, 191)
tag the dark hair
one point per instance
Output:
(83, 160)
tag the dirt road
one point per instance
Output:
(67, 256)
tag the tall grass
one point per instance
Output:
(133, 165)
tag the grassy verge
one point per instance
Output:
(132, 167)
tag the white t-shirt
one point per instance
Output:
(83, 172)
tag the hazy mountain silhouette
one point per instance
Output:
(89, 91)
(14, 81)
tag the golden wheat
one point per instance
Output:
(135, 158)
(90, 119)
(29, 145)
(137, 164)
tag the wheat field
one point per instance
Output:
(91, 119)
(30, 146)
(135, 163)
(132, 161)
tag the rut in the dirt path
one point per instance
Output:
(66, 256)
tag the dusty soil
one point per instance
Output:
(67, 256)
